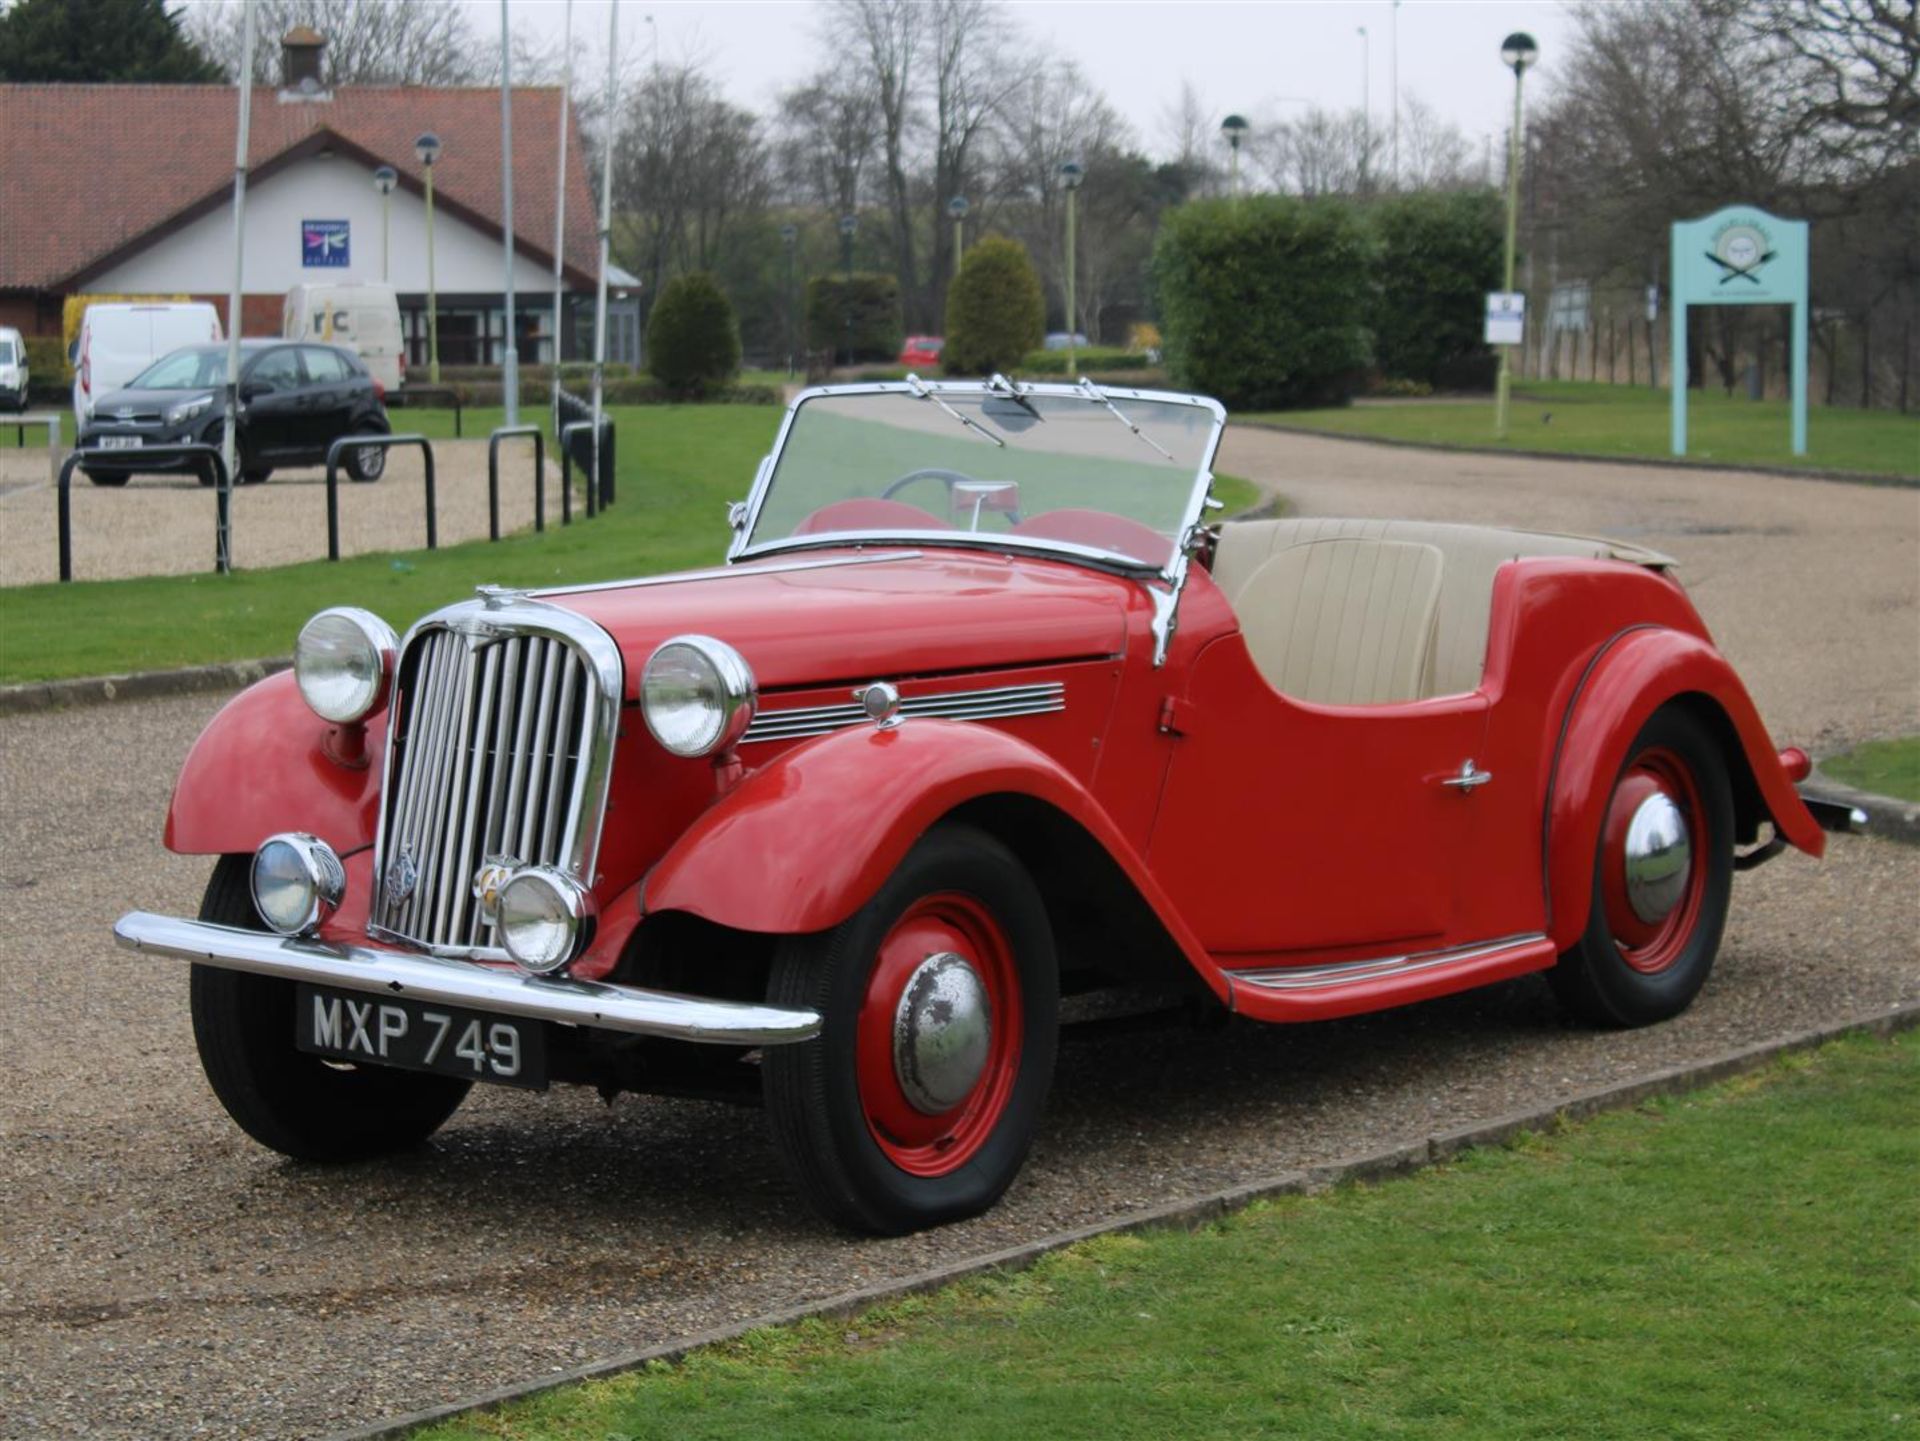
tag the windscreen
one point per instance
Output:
(6, 352)
(1112, 476)
(184, 370)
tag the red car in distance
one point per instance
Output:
(922, 352)
(982, 711)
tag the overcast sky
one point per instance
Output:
(1261, 59)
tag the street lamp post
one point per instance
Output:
(957, 208)
(849, 223)
(789, 237)
(1071, 174)
(1234, 127)
(427, 147)
(384, 179)
(1366, 104)
(510, 355)
(1394, 16)
(1517, 52)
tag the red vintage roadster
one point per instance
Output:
(980, 712)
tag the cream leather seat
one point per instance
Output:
(1470, 556)
(1344, 622)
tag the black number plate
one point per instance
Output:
(417, 1036)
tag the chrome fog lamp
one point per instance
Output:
(544, 917)
(698, 695)
(342, 661)
(297, 882)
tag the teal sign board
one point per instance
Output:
(1740, 256)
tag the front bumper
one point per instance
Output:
(465, 983)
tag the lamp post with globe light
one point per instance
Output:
(384, 179)
(1517, 52)
(957, 208)
(849, 225)
(1071, 174)
(427, 147)
(789, 237)
(1234, 128)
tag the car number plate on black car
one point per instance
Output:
(418, 1036)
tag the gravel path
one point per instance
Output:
(161, 1276)
(163, 525)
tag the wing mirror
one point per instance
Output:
(253, 389)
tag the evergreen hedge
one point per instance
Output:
(996, 313)
(876, 332)
(1265, 300)
(693, 340)
(1439, 255)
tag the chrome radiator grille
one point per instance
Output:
(496, 750)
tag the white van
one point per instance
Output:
(13, 368)
(363, 318)
(117, 341)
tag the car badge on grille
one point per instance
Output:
(402, 876)
(123, 413)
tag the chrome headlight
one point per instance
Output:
(188, 409)
(342, 662)
(544, 917)
(698, 695)
(297, 882)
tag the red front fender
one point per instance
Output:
(803, 843)
(261, 766)
(1641, 672)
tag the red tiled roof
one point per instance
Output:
(87, 169)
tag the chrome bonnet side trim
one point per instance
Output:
(1341, 973)
(461, 983)
(998, 703)
(732, 572)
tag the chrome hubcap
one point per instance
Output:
(942, 1030)
(1659, 858)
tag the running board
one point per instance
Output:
(1317, 993)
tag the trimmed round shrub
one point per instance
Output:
(995, 311)
(856, 319)
(1439, 256)
(1264, 301)
(693, 340)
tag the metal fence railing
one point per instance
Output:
(222, 488)
(508, 432)
(383, 442)
(573, 426)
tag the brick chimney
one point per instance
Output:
(301, 49)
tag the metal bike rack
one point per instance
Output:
(222, 486)
(507, 432)
(51, 420)
(407, 394)
(384, 442)
(567, 433)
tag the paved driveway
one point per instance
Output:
(161, 1276)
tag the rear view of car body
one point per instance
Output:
(13, 369)
(117, 342)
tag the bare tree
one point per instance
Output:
(1435, 155)
(890, 35)
(1324, 152)
(369, 42)
(829, 131)
(1190, 132)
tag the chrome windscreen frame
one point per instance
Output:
(1164, 582)
(500, 614)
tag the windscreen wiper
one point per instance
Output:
(919, 388)
(1000, 385)
(1095, 393)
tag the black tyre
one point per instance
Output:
(113, 479)
(917, 1102)
(257, 476)
(1662, 877)
(367, 462)
(285, 1099)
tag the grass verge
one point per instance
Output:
(678, 468)
(1884, 768)
(1734, 1263)
(1582, 418)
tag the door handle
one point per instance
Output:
(1467, 778)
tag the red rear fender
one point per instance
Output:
(261, 766)
(1635, 676)
(804, 842)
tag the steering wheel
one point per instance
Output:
(950, 478)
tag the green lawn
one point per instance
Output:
(1886, 768)
(678, 468)
(1736, 1263)
(1581, 418)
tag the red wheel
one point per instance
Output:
(1662, 878)
(939, 1034)
(919, 1099)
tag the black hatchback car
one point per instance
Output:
(295, 401)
